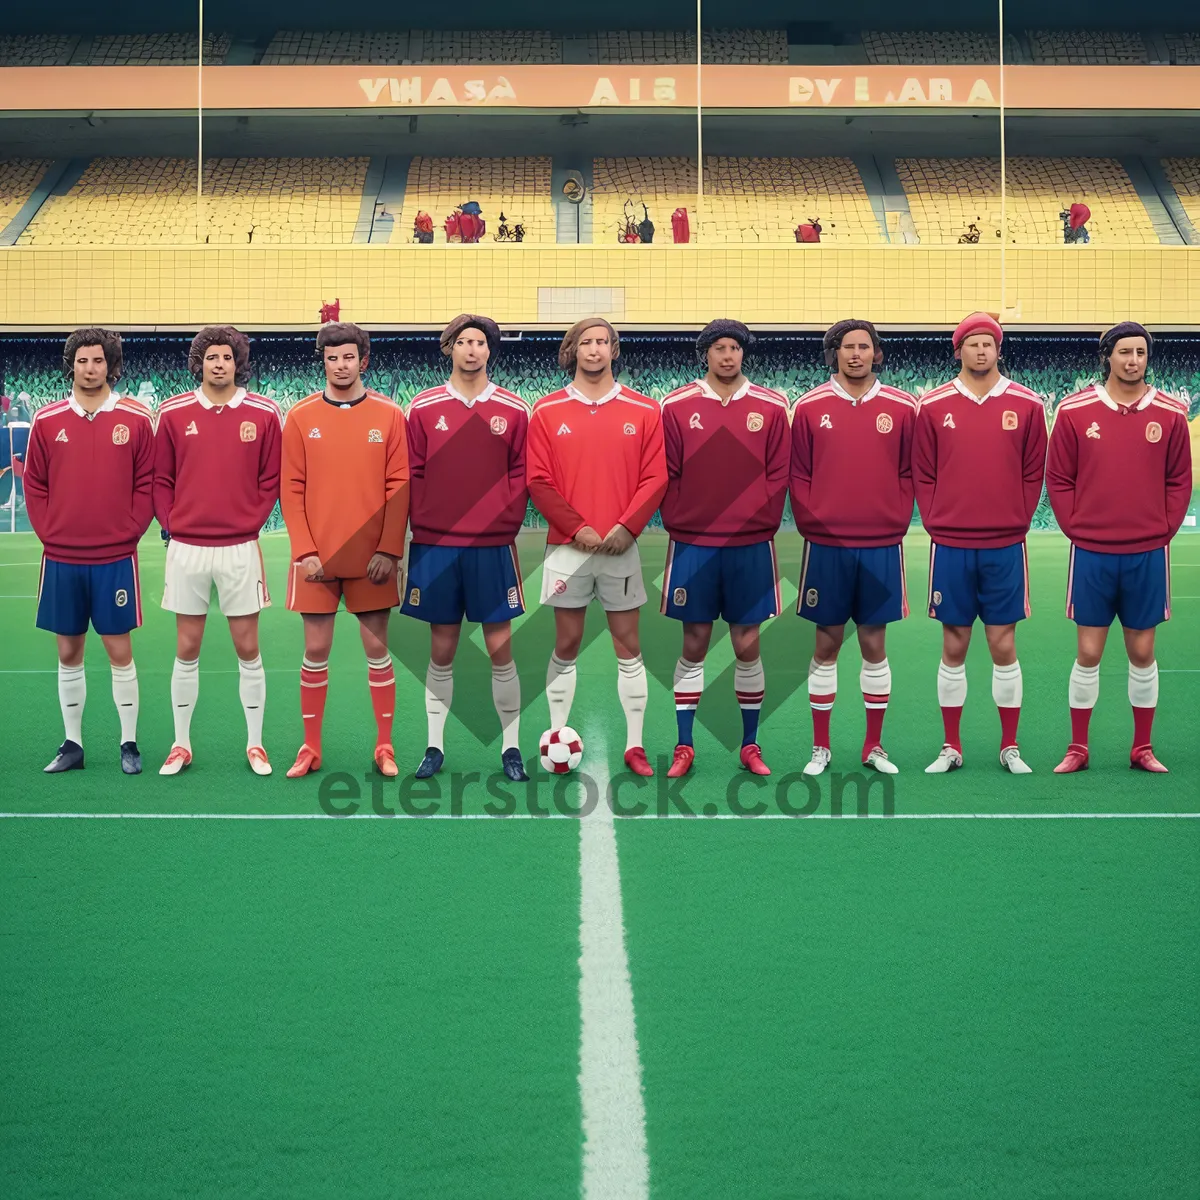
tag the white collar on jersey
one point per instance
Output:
(1109, 402)
(205, 402)
(80, 411)
(576, 394)
(869, 394)
(487, 393)
(1001, 386)
(702, 384)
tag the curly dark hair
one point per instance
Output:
(221, 335)
(485, 325)
(107, 339)
(342, 333)
(569, 349)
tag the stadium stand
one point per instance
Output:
(920, 46)
(1184, 175)
(1184, 48)
(18, 178)
(1084, 47)
(36, 49)
(746, 199)
(517, 187)
(415, 46)
(679, 46)
(151, 201)
(946, 195)
(156, 49)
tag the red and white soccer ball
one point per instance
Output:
(561, 750)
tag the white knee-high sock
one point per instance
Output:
(560, 689)
(252, 689)
(439, 692)
(72, 694)
(952, 685)
(1083, 689)
(506, 696)
(185, 687)
(1008, 686)
(633, 689)
(125, 697)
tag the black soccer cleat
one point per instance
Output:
(131, 758)
(68, 758)
(431, 764)
(514, 766)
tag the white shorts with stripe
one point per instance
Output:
(573, 578)
(237, 572)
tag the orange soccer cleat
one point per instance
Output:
(385, 760)
(1076, 759)
(681, 764)
(637, 762)
(1141, 758)
(307, 760)
(752, 759)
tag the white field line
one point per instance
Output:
(557, 816)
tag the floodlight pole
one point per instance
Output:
(200, 124)
(699, 124)
(1003, 183)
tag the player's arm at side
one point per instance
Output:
(779, 464)
(269, 468)
(539, 476)
(418, 442)
(292, 484)
(1062, 469)
(800, 469)
(924, 460)
(395, 490)
(908, 425)
(36, 480)
(141, 511)
(1179, 473)
(164, 474)
(652, 477)
(1035, 457)
(518, 487)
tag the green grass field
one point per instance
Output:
(911, 1005)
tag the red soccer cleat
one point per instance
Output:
(385, 761)
(307, 760)
(178, 760)
(1141, 758)
(681, 764)
(752, 759)
(637, 762)
(1076, 759)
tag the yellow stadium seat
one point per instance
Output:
(1184, 174)
(18, 178)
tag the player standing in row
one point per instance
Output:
(852, 496)
(344, 494)
(466, 451)
(1119, 476)
(979, 460)
(89, 473)
(596, 473)
(727, 456)
(216, 481)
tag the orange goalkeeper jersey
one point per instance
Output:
(344, 485)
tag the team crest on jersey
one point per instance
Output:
(62, 436)
(497, 425)
(810, 598)
(121, 598)
(191, 430)
(314, 432)
(948, 421)
(563, 428)
(514, 598)
(630, 429)
(937, 597)
(754, 422)
(1153, 431)
(249, 431)
(679, 596)
(1009, 420)
(1093, 430)
(441, 424)
(883, 423)
(120, 435)
(826, 423)
(414, 597)
(374, 435)
(694, 423)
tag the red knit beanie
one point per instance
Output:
(979, 322)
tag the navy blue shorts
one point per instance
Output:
(739, 584)
(863, 584)
(106, 594)
(446, 583)
(991, 584)
(1134, 588)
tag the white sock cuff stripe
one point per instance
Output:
(65, 672)
(379, 664)
(944, 668)
(505, 671)
(631, 666)
(127, 672)
(309, 665)
(562, 665)
(250, 664)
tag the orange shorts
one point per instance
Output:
(304, 596)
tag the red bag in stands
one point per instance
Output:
(680, 226)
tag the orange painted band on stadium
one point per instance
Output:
(231, 89)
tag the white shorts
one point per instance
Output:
(237, 571)
(572, 578)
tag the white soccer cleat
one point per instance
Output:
(948, 759)
(1010, 758)
(260, 764)
(879, 760)
(821, 757)
(176, 761)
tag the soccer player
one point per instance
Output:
(1119, 476)
(344, 494)
(852, 496)
(88, 479)
(466, 453)
(216, 480)
(597, 473)
(727, 454)
(979, 458)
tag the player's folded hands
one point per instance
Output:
(587, 539)
(314, 572)
(381, 567)
(616, 541)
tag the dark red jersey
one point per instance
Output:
(1120, 477)
(851, 480)
(467, 459)
(216, 467)
(979, 464)
(727, 464)
(89, 479)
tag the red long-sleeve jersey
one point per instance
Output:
(1120, 477)
(851, 478)
(978, 464)
(727, 464)
(467, 463)
(216, 467)
(89, 479)
(599, 464)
